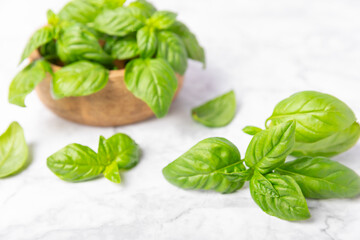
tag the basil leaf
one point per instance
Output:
(75, 163)
(147, 42)
(162, 19)
(172, 49)
(251, 130)
(111, 172)
(125, 48)
(39, 38)
(153, 81)
(317, 115)
(79, 79)
(77, 42)
(202, 166)
(13, 150)
(120, 21)
(52, 18)
(193, 48)
(269, 148)
(82, 11)
(321, 177)
(330, 146)
(279, 196)
(121, 149)
(113, 4)
(217, 112)
(26, 81)
(147, 8)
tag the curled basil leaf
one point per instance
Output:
(147, 41)
(217, 112)
(269, 148)
(162, 19)
(321, 177)
(202, 167)
(125, 48)
(251, 130)
(14, 151)
(147, 8)
(279, 196)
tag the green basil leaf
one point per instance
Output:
(251, 130)
(269, 148)
(75, 163)
(77, 42)
(317, 115)
(120, 21)
(82, 11)
(147, 42)
(26, 81)
(121, 149)
(79, 79)
(52, 18)
(125, 48)
(217, 112)
(279, 196)
(162, 19)
(113, 4)
(111, 172)
(320, 177)
(39, 38)
(193, 48)
(202, 167)
(172, 49)
(330, 146)
(147, 8)
(14, 151)
(153, 81)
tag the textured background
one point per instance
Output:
(265, 50)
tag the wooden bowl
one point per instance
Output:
(114, 105)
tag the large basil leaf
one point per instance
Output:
(79, 79)
(202, 167)
(121, 149)
(147, 8)
(153, 81)
(162, 19)
(217, 112)
(77, 42)
(75, 163)
(26, 81)
(269, 148)
(334, 144)
(321, 177)
(120, 21)
(172, 49)
(193, 48)
(279, 196)
(251, 130)
(13, 150)
(317, 115)
(147, 41)
(39, 38)
(111, 172)
(125, 48)
(83, 11)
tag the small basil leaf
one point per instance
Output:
(330, 146)
(202, 167)
(82, 11)
(289, 203)
(251, 130)
(26, 81)
(193, 48)
(75, 163)
(79, 79)
(39, 38)
(111, 172)
(121, 149)
(120, 21)
(162, 19)
(125, 48)
(269, 148)
(153, 81)
(217, 112)
(147, 41)
(147, 8)
(13, 150)
(77, 42)
(52, 18)
(321, 177)
(172, 49)
(317, 115)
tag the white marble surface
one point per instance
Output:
(265, 50)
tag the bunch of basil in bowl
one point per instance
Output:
(98, 62)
